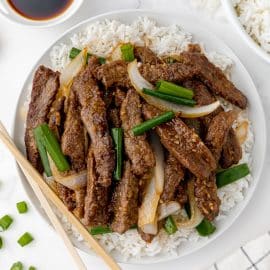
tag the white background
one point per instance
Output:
(19, 50)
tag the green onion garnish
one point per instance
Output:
(102, 60)
(1, 242)
(173, 99)
(170, 226)
(99, 230)
(205, 228)
(42, 152)
(151, 123)
(32, 268)
(232, 174)
(5, 222)
(17, 266)
(170, 60)
(25, 239)
(22, 207)
(117, 134)
(174, 90)
(75, 51)
(127, 52)
(48, 139)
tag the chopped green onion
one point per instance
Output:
(22, 207)
(17, 266)
(117, 134)
(25, 239)
(169, 225)
(171, 98)
(135, 226)
(127, 52)
(232, 174)
(5, 222)
(174, 90)
(75, 51)
(1, 242)
(42, 152)
(32, 268)
(52, 146)
(170, 60)
(99, 230)
(151, 123)
(102, 60)
(205, 228)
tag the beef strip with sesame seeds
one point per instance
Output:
(144, 55)
(183, 143)
(93, 114)
(125, 201)
(137, 147)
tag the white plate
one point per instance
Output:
(240, 77)
(233, 18)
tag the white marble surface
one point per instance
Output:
(19, 50)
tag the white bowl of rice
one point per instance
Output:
(252, 21)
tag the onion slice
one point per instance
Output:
(196, 216)
(139, 83)
(147, 220)
(167, 209)
(72, 180)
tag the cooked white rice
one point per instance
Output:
(100, 37)
(255, 17)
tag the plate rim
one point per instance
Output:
(248, 196)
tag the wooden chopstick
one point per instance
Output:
(34, 177)
(51, 215)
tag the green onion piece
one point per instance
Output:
(102, 60)
(42, 152)
(127, 52)
(52, 146)
(5, 222)
(22, 207)
(1, 242)
(174, 90)
(135, 226)
(169, 225)
(173, 99)
(25, 239)
(99, 230)
(170, 60)
(32, 268)
(75, 51)
(205, 228)
(151, 123)
(232, 174)
(117, 134)
(17, 266)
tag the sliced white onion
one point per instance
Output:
(116, 53)
(72, 180)
(167, 209)
(196, 216)
(73, 68)
(147, 220)
(139, 83)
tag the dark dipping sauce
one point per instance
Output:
(39, 9)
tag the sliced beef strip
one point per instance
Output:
(148, 238)
(93, 114)
(146, 56)
(181, 193)
(231, 151)
(125, 201)
(137, 148)
(214, 78)
(44, 89)
(218, 131)
(67, 196)
(119, 97)
(183, 143)
(97, 197)
(93, 64)
(73, 138)
(80, 199)
(205, 190)
(173, 174)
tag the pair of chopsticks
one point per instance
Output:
(44, 192)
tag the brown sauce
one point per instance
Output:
(39, 9)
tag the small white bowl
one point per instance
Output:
(233, 18)
(7, 12)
